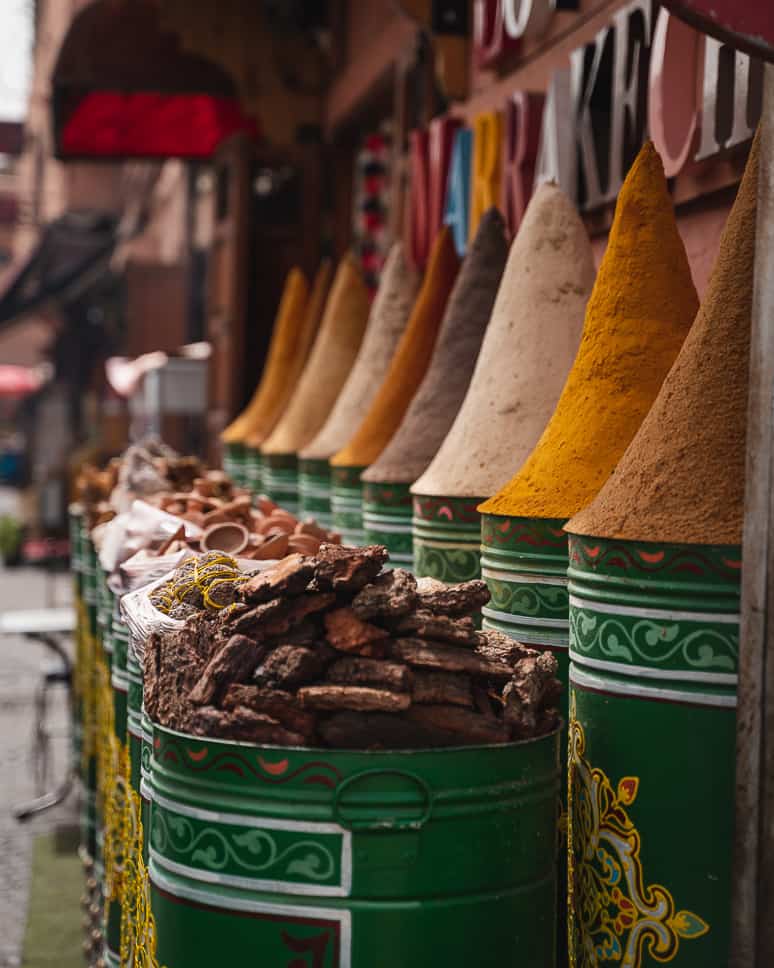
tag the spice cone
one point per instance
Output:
(292, 361)
(410, 361)
(330, 361)
(386, 323)
(289, 340)
(681, 479)
(528, 349)
(637, 318)
(433, 409)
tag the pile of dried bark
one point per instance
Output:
(330, 650)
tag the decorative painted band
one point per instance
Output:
(119, 681)
(446, 536)
(275, 916)
(235, 457)
(635, 617)
(387, 520)
(314, 488)
(280, 480)
(251, 852)
(611, 685)
(347, 504)
(254, 470)
(708, 573)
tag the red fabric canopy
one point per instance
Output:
(113, 124)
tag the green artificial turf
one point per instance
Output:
(54, 935)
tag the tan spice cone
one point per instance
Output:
(637, 318)
(289, 338)
(528, 349)
(386, 323)
(681, 479)
(330, 361)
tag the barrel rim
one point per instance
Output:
(424, 750)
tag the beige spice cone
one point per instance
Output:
(329, 364)
(682, 478)
(386, 322)
(528, 349)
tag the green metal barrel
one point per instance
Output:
(134, 718)
(234, 460)
(654, 641)
(114, 828)
(387, 520)
(524, 564)
(447, 538)
(89, 705)
(353, 859)
(314, 488)
(254, 470)
(347, 504)
(280, 480)
(75, 522)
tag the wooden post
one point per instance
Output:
(753, 900)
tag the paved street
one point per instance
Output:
(21, 663)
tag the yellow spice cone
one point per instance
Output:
(682, 478)
(411, 359)
(330, 361)
(285, 377)
(639, 313)
(288, 326)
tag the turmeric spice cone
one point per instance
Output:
(287, 326)
(283, 378)
(407, 367)
(638, 315)
(386, 322)
(334, 351)
(658, 577)
(386, 496)
(527, 351)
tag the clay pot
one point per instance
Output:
(227, 536)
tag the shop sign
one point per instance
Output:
(644, 74)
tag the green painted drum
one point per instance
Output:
(347, 504)
(447, 538)
(234, 463)
(280, 480)
(89, 703)
(654, 641)
(254, 470)
(134, 718)
(353, 859)
(387, 520)
(120, 685)
(314, 488)
(524, 564)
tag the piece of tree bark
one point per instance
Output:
(276, 703)
(387, 597)
(289, 666)
(343, 569)
(449, 658)
(243, 725)
(355, 671)
(424, 625)
(233, 661)
(502, 648)
(346, 632)
(468, 726)
(363, 731)
(533, 689)
(440, 688)
(289, 577)
(442, 599)
(333, 698)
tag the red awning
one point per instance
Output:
(111, 124)
(123, 87)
